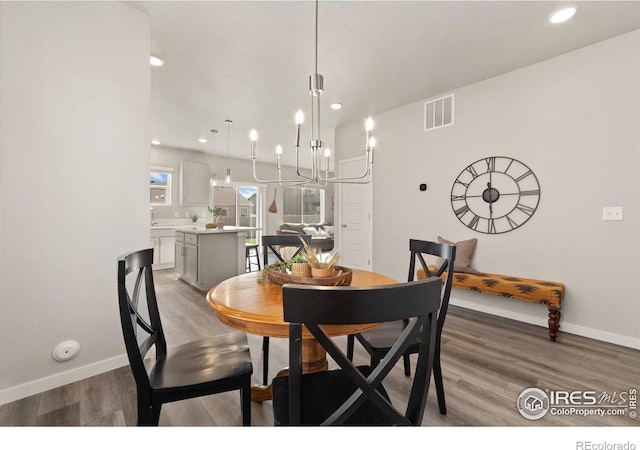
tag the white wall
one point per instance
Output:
(74, 174)
(574, 121)
(241, 172)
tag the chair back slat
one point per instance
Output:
(317, 306)
(447, 254)
(136, 268)
(276, 242)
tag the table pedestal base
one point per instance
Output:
(314, 359)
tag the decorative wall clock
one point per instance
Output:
(495, 194)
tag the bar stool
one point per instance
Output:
(251, 252)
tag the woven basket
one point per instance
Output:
(342, 277)
(301, 270)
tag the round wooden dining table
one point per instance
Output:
(249, 304)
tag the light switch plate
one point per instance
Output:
(612, 213)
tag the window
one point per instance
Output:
(160, 186)
(303, 205)
(240, 205)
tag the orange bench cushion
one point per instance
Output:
(539, 291)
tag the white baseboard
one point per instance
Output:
(541, 320)
(44, 384)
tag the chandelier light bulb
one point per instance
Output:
(368, 125)
(253, 135)
(227, 179)
(279, 149)
(299, 117)
(372, 142)
(327, 152)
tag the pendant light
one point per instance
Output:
(214, 180)
(227, 179)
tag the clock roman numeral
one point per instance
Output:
(466, 185)
(513, 224)
(491, 164)
(461, 211)
(472, 171)
(523, 176)
(455, 198)
(492, 227)
(474, 222)
(508, 166)
(536, 192)
(526, 209)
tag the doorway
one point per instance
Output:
(355, 230)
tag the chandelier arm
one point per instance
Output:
(368, 171)
(362, 180)
(301, 175)
(279, 180)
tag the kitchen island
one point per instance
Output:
(204, 257)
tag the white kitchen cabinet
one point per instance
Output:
(167, 246)
(186, 256)
(154, 245)
(163, 244)
(194, 184)
(204, 259)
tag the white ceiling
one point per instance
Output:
(249, 61)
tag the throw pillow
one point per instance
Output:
(464, 254)
(310, 230)
(323, 233)
(328, 229)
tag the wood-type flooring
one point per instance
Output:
(487, 362)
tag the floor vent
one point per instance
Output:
(438, 113)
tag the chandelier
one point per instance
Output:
(319, 173)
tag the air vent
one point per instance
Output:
(438, 113)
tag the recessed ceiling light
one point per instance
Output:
(156, 61)
(203, 140)
(563, 14)
(155, 142)
(336, 105)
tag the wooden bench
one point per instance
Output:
(549, 293)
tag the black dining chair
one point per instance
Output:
(275, 243)
(206, 366)
(352, 395)
(378, 342)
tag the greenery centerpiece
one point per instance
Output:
(322, 265)
(284, 267)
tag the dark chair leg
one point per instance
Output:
(350, 345)
(245, 405)
(437, 377)
(155, 413)
(265, 362)
(144, 411)
(407, 364)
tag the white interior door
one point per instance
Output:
(355, 226)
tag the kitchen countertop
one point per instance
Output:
(201, 229)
